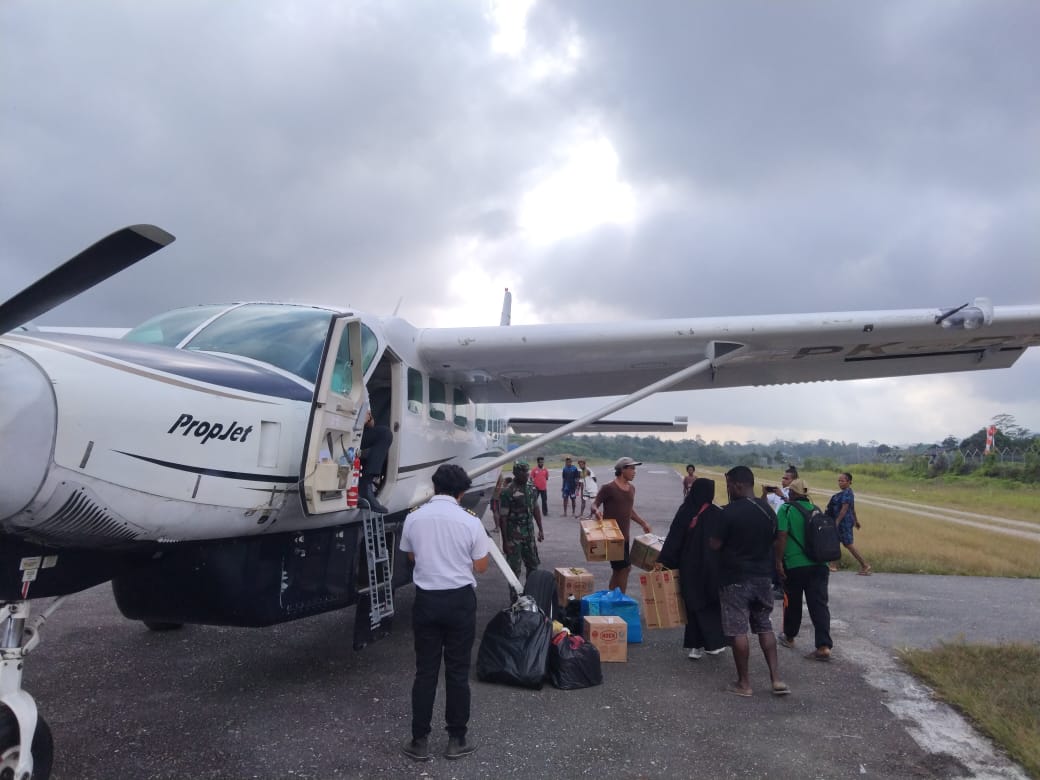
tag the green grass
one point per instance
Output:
(996, 687)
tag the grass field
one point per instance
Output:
(997, 687)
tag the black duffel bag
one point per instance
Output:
(573, 663)
(515, 648)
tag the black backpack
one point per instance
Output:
(822, 544)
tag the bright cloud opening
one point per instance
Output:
(510, 20)
(584, 193)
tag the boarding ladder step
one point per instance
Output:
(380, 569)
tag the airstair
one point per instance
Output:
(375, 606)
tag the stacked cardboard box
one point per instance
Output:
(609, 634)
(572, 581)
(645, 550)
(662, 604)
(602, 540)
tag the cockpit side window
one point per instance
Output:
(170, 328)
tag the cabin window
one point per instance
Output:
(481, 421)
(460, 408)
(438, 400)
(415, 391)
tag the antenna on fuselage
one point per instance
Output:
(507, 308)
(398, 306)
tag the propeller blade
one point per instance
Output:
(94, 264)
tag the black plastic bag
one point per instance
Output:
(515, 648)
(573, 663)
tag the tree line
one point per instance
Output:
(1015, 454)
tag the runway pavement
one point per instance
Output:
(294, 701)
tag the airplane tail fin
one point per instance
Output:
(507, 308)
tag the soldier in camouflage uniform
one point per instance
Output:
(517, 507)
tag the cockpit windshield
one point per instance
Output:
(171, 328)
(287, 336)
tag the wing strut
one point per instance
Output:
(717, 353)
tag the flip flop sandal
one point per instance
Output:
(866, 572)
(731, 688)
(780, 689)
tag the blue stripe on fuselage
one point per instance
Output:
(212, 369)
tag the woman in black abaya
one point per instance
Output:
(686, 549)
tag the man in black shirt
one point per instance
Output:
(744, 536)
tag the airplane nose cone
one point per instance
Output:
(28, 416)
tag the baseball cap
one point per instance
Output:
(798, 486)
(623, 462)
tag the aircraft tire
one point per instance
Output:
(160, 625)
(42, 746)
(541, 586)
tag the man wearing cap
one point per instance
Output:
(517, 508)
(801, 575)
(618, 498)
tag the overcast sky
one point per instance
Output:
(604, 160)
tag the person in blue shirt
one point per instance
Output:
(570, 475)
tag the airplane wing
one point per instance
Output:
(523, 363)
(524, 425)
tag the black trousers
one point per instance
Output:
(445, 624)
(375, 441)
(544, 495)
(812, 581)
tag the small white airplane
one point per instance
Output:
(204, 461)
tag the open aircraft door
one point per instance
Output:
(336, 422)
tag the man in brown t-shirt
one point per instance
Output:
(618, 498)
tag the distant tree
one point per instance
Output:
(950, 442)
(1008, 425)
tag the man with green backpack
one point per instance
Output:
(803, 539)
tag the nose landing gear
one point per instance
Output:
(19, 721)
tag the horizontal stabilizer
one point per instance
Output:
(524, 425)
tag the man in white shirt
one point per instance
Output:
(777, 496)
(447, 544)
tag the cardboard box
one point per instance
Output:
(661, 600)
(609, 634)
(572, 581)
(602, 540)
(645, 550)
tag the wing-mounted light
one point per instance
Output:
(967, 316)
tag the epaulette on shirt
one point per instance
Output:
(470, 511)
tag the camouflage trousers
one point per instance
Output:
(525, 548)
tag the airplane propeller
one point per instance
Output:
(109, 256)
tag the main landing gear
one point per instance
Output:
(19, 721)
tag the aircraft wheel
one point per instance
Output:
(541, 586)
(42, 747)
(159, 625)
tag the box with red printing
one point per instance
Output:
(661, 601)
(609, 633)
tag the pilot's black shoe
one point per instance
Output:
(458, 747)
(417, 749)
(367, 492)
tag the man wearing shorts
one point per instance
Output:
(744, 536)
(618, 498)
(570, 475)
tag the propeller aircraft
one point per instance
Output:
(204, 462)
